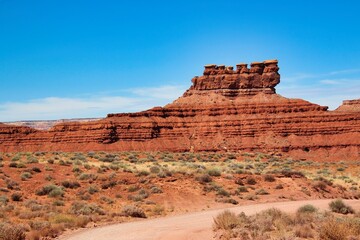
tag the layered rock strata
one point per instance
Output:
(223, 110)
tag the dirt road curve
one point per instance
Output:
(192, 226)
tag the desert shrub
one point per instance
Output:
(12, 185)
(39, 225)
(203, 178)
(242, 189)
(261, 192)
(142, 173)
(227, 200)
(48, 178)
(91, 154)
(158, 210)
(304, 231)
(133, 188)
(92, 189)
(33, 205)
(156, 189)
(324, 180)
(109, 184)
(11, 232)
(164, 173)
(70, 184)
(16, 197)
(214, 172)
(106, 200)
(320, 185)
(269, 178)
(114, 167)
(4, 200)
(63, 218)
(132, 211)
(36, 169)
(251, 181)
(226, 220)
(154, 169)
(339, 206)
(16, 158)
(293, 174)
(58, 203)
(308, 208)
(222, 192)
(50, 190)
(13, 165)
(141, 195)
(334, 230)
(279, 186)
(38, 154)
(32, 159)
(21, 165)
(82, 208)
(87, 176)
(51, 161)
(239, 181)
(251, 197)
(76, 170)
(25, 175)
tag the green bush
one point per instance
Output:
(25, 175)
(339, 206)
(269, 178)
(214, 172)
(251, 181)
(132, 211)
(50, 190)
(204, 178)
(308, 208)
(82, 208)
(70, 184)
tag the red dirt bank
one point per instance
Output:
(223, 110)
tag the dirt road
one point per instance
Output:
(192, 226)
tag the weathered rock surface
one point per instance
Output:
(223, 110)
(350, 106)
(47, 124)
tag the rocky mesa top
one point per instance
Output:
(261, 77)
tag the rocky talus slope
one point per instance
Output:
(226, 109)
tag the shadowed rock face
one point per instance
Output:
(223, 110)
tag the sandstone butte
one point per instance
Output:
(223, 110)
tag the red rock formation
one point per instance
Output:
(350, 106)
(224, 110)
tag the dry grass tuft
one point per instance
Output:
(226, 220)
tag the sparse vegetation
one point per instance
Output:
(96, 185)
(133, 211)
(338, 206)
(275, 224)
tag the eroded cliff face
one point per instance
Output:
(223, 110)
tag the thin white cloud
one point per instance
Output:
(62, 108)
(330, 82)
(304, 76)
(327, 89)
(326, 92)
(346, 71)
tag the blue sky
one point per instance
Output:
(69, 59)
